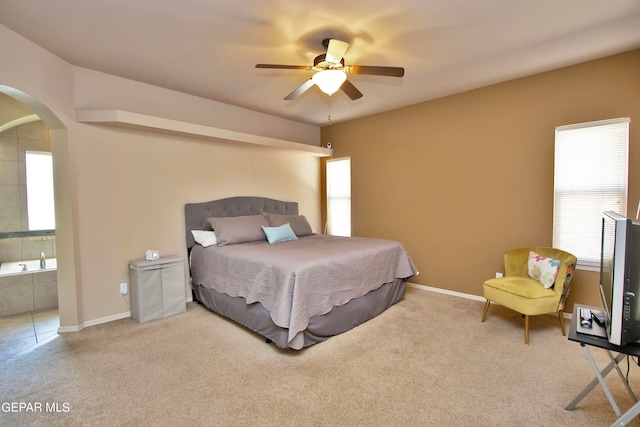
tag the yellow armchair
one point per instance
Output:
(519, 292)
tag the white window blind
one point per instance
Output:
(339, 197)
(591, 173)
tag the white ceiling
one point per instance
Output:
(209, 47)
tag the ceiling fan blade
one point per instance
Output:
(336, 50)
(351, 91)
(284, 67)
(299, 90)
(377, 71)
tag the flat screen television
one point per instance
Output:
(620, 278)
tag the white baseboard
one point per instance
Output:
(446, 292)
(463, 295)
(65, 329)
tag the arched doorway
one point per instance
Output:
(65, 252)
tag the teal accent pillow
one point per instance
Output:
(279, 234)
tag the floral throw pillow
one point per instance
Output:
(543, 269)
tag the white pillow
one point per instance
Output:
(205, 238)
(543, 269)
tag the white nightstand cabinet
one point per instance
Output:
(157, 288)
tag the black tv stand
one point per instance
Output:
(587, 341)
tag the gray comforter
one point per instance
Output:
(298, 279)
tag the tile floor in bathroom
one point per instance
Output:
(21, 332)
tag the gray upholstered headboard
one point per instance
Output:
(196, 214)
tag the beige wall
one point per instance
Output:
(132, 186)
(12, 109)
(461, 179)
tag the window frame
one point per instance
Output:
(600, 193)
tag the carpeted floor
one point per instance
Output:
(428, 360)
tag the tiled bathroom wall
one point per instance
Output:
(27, 248)
(21, 293)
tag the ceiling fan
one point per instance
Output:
(331, 72)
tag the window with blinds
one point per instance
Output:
(591, 175)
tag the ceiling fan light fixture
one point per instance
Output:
(331, 71)
(329, 81)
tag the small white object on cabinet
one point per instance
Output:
(151, 255)
(157, 288)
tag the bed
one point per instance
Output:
(290, 285)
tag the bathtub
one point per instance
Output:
(31, 290)
(33, 266)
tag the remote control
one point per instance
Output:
(585, 318)
(598, 320)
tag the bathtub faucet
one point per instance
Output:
(43, 261)
(24, 267)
